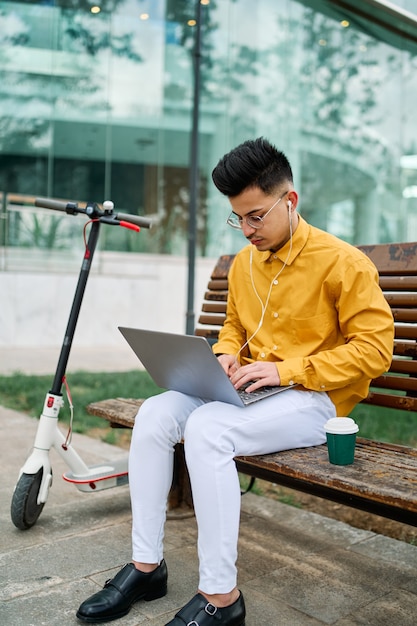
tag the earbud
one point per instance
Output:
(289, 205)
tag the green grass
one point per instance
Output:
(389, 425)
(27, 393)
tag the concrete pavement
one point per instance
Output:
(296, 568)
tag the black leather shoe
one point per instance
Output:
(118, 594)
(199, 612)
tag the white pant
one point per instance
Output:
(214, 432)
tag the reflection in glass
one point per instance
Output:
(98, 106)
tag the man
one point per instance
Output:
(304, 309)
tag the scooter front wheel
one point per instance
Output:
(25, 509)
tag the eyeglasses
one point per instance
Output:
(253, 221)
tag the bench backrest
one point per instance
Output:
(397, 267)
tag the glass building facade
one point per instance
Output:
(136, 100)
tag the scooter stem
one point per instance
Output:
(76, 305)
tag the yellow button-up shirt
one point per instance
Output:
(326, 324)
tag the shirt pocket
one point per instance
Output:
(314, 333)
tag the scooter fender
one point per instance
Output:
(39, 459)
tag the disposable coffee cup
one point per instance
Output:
(341, 440)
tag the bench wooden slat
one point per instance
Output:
(118, 411)
(219, 284)
(401, 299)
(216, 295)
(214, 307)
(211, 320)
(209, 333)
(221, 269)
(405, 331)
(404, 403)
(391, 256)
(404, 315)
(398, 283)
(405, 348)
(402, 366)
(397, 383)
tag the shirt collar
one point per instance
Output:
(299, 240)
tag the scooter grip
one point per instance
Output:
(143, 222)
(56, 205)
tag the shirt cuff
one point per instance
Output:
(292, 372)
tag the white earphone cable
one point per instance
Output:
(264, 306)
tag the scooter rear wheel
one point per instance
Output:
(25, 509)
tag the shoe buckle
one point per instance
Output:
(210, 608)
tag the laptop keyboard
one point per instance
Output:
(262, 392)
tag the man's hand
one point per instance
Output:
(229, 363)
(262, 373)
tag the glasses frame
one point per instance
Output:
(253, 221)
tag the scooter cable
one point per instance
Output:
(68, 439)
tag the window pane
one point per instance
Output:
(99, 106)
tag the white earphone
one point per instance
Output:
(274, 281)
(289, 206)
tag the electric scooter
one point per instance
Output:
(35, 477)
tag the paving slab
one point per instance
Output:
(296, 568)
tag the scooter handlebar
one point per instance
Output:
(143, 222)
(72, 207)
(56, 205)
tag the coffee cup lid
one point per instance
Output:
(341, 425)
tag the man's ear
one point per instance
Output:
(293, 198)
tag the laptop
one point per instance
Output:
(186, 363)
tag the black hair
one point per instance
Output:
(254, 163)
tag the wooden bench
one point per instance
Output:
(383, 478)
